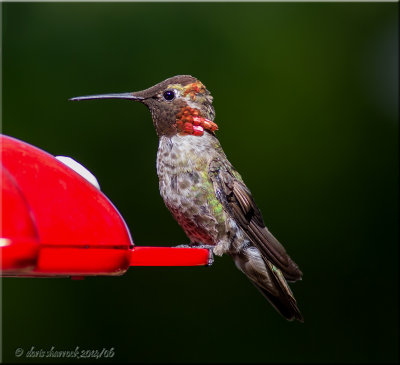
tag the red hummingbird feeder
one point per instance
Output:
(55, 223)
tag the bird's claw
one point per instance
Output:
(208, 247)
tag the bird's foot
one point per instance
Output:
(210, 252)
(208, 247)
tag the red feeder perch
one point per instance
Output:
(54, 222)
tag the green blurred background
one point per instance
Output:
(306, 97)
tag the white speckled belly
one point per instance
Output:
(182, 168)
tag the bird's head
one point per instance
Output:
(180, 104)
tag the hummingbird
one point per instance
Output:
(204, 192)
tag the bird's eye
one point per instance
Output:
(169, 95)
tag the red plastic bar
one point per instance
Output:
(169, 256)
(53, 260)
(81, 261)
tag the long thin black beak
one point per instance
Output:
(129, 96)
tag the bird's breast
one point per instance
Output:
(182, 168)
(182, 164)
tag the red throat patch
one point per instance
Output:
(189, 121)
